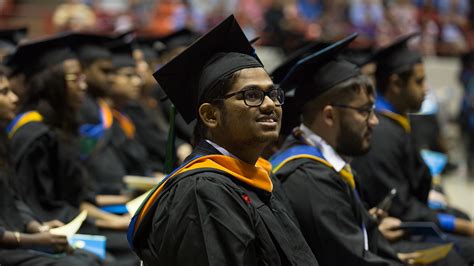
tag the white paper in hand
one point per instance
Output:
(72, 227)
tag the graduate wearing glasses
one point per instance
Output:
(221, 207)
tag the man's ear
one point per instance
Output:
(328, 115)
(209, 115)
(395, 84)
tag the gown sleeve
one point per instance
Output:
(330, 217)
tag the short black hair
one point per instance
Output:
(218, 91)
(382, 78)
(341, 93)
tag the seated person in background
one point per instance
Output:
(44, 142)
(336, 103)
(95, 117)
(151, 124)
(394, 160)
(125, 88)
(20, 233)
(44, 135)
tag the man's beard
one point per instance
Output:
(349, 142)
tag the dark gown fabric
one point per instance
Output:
(425, 131)
(149, 134)
(330, 215)
(426, 135)
(102, 162)
(21, 257)
(52, 182)
(132, 154)
(394, 162)
(206, 217)
(11, 219)
(10, 216)
(48, 177)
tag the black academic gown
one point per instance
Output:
(394, 162)
(13, 218)
(104, 164)
(202, 219)
(48, 176)
(149, 134)
(131, 152)
(52, 182)
(330, 215)
(425, 131)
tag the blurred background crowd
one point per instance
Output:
(446, 25)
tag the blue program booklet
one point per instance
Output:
(428, 230)
(92, 243)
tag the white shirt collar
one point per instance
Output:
(328, 152)
(221, 149)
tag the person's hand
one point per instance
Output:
(53, 224)
(409, 258)
(437, 197)
(390, 228)
(158, 175)
(117, 223)
(58, 243)
(377, 213)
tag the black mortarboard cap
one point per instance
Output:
(122, 54)
(150, 46)
(290, 61)
(320, 71)
(222, 51)
(180, 38)
(397, 57)
(360, 56)
(34, 56)
(12, 36)
(91, 46)
(121, 49)
(313, 75)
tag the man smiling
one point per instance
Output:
(220, 207)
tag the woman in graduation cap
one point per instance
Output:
(220, 207)
(43, 136)
(44, 140)
(21, 234)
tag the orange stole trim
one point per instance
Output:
(106, 113)
(125, 123)
(400, 119)
(347, 176)
(257, 176)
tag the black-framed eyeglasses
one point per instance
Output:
(366, 111)
(254, 97)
